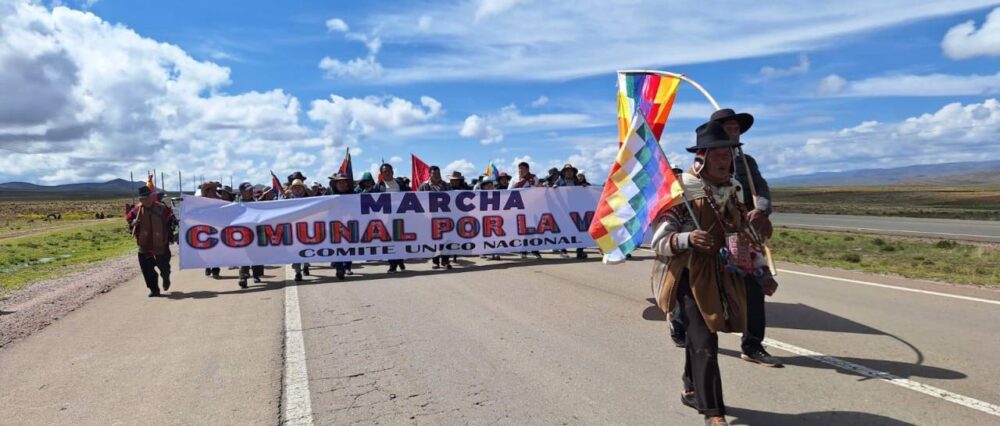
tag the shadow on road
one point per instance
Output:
(897, 368)
(378, 271)
(208, 294)
(743, 416)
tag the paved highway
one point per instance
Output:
(971, 230)
(557, 341)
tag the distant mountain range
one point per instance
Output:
(112, 187)
(964, 173)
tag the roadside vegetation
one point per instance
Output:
(38, 257)
(41, 239)
(980, 202)
(941, 260)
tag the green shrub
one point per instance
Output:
(878, 241)
(946, 244)
(851, 257)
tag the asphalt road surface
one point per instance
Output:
(970, 230)
(557, 341)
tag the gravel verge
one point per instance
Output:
(31, 309)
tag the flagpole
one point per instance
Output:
(746, 165)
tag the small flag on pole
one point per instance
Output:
(491, 173)
(279, 192)
(420, 170)
(345, 166)
(640, 184)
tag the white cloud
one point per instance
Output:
(769, 72)
(955, 132)
(365, 116)
(367, 67)
(912, 85)
(564, 40)
(541, 101)
(358, 68)
(424, 23)
(831, 85)
(336, 25)
(965, 41)
(594, 161)
(489, 8)
(490, 129)
(463, 166)
(395, 160)
(476, 127)
(84, 99)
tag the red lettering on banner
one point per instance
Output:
(440, 226)
(493, 226)
(303, 235)
(522, 226)
(340, 232)
(547, 223)
(468, 227)
(399, 231)
(376, 230)
(229, 236)
(279, 235)
(195, 233)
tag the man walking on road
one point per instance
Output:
(735, 125)
(152, 225)
(711, 297)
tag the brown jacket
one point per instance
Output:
(152, 228)
(707, 276)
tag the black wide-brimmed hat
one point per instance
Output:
(711, 135)
(296, 175)
(338, 176)
(144, 191)
(725, 114)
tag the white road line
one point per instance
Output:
(891, 287)
(848, 227)
(952, 397)
(912, 290)
(296, 401)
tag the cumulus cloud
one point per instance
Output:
(336, 25)
(366, 67)
(463, 166)
(911, 85)
(491, 128)
(965, 41)
(357, 68)
(769, 72)
(370, 114)
(476, 127)
(955, 132)
(831, 85)
(540, 102)
(84, 99)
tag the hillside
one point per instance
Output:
(964, 173)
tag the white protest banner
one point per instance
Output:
(379, 226)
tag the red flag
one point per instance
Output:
(421, 172)
(276, 187)
(345, 166)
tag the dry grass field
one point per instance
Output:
(979, 202)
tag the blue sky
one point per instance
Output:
(92, 89)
